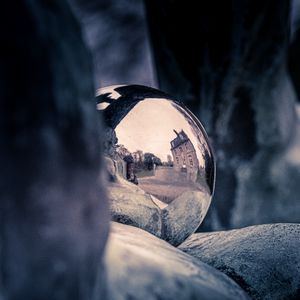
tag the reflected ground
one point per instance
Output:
(166, 184)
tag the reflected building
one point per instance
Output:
(184, 155)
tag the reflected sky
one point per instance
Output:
(150, 125)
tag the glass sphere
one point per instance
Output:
(161, 146)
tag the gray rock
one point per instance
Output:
(130, 205)
(141, 266)
(184, 215)
(116, 32)
(268, 187)
(264, 260)
(54, 215)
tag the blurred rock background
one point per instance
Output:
(241, 78)
(116, 32)
(54, 218)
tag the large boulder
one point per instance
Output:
(53, 210)
(141, 266)
(264, 260)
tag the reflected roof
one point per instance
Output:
(179, 140)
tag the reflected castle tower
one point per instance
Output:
(184, 155)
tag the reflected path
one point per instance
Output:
(166, 185)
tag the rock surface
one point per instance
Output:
(141, 266)
(53, 211)
(183, 216)
(264, 260)
(268, 192)
(134, 207)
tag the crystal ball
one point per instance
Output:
(159, 146)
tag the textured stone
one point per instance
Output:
(183, 216)
(53, 210)
(264, 260)
(268, 192)
(134, 208)
(141, 266)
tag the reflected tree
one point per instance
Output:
(150, 159)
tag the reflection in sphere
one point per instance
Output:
(159, 144)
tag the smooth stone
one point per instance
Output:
(134, 208)
(141, 266)
(184, 215)
(264, 259)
